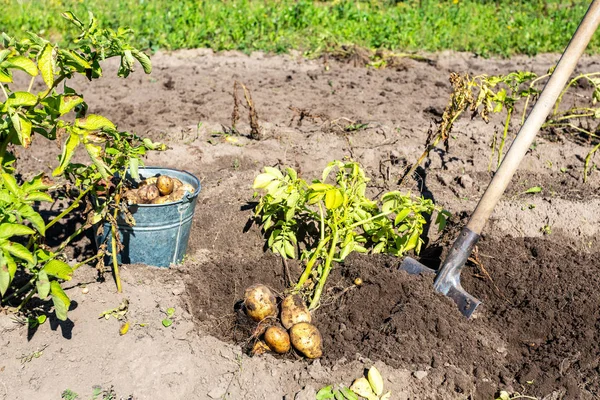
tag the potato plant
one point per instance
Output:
(57, 113)
(513, 93)
(335, 217)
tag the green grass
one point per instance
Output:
(480, 26)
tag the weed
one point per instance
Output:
(68, 394)
(25, 358)
(167, 322)
(546, 229)
(120, 312)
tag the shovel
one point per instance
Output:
(447, 280)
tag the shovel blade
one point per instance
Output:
(414, 267)
(465, 302)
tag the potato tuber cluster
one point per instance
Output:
(158, 190)
(297, 329)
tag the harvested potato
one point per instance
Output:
(131, 196)
(149, 181)
(165, 185)
(147, 193)
(177, 195)
(259, 348)
(293, 311)
(161, 200)
(277, 339)
(260, 302)
(186, 187)
(176, 183)
(306, 338)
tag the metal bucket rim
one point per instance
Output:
(188, 199)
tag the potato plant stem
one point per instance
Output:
(309, 265)
(504, 134)
(73, 206)
(68, 240)
(26, 299)
(432, 146)
(3, 147)
(4, 91)
(21, 290)
(326, 269)
(88, 260)
(113, 243)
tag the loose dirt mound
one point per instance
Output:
(538, 325)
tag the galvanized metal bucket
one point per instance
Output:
(161, 231)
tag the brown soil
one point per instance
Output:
(536, 332)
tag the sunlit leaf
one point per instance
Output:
(46, 63)
(274, 172)
(58, 269)
(68, 102)
(535, 189)
(143, 59)
(19, 99)
(8, 230)
(67, 153)
(5, 76)
(22, 63)
(17, 250)
(94, 122)
(60, 299)
(43, 285)
(402, 215)
(124, 328)
(333, 199)
(38, 196)
(262, 180)
(5, 277)
(27, 212)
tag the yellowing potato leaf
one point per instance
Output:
(334, 198)
(46, 62)
(124, 329)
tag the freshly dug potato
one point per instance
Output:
(177, 194)
(165, 185)
(186, 187)
(131, 196)
(259, 348)
(306, 338)
(176, 183)
(293, 311)
(149, 181)
(260, 302)
(161, 200)
(147, 193)
(277, 339)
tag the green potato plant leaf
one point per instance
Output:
(22, 63)
(58, 269)
(47, 64)
(7, 230)
(43, 285)
(60, 300)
